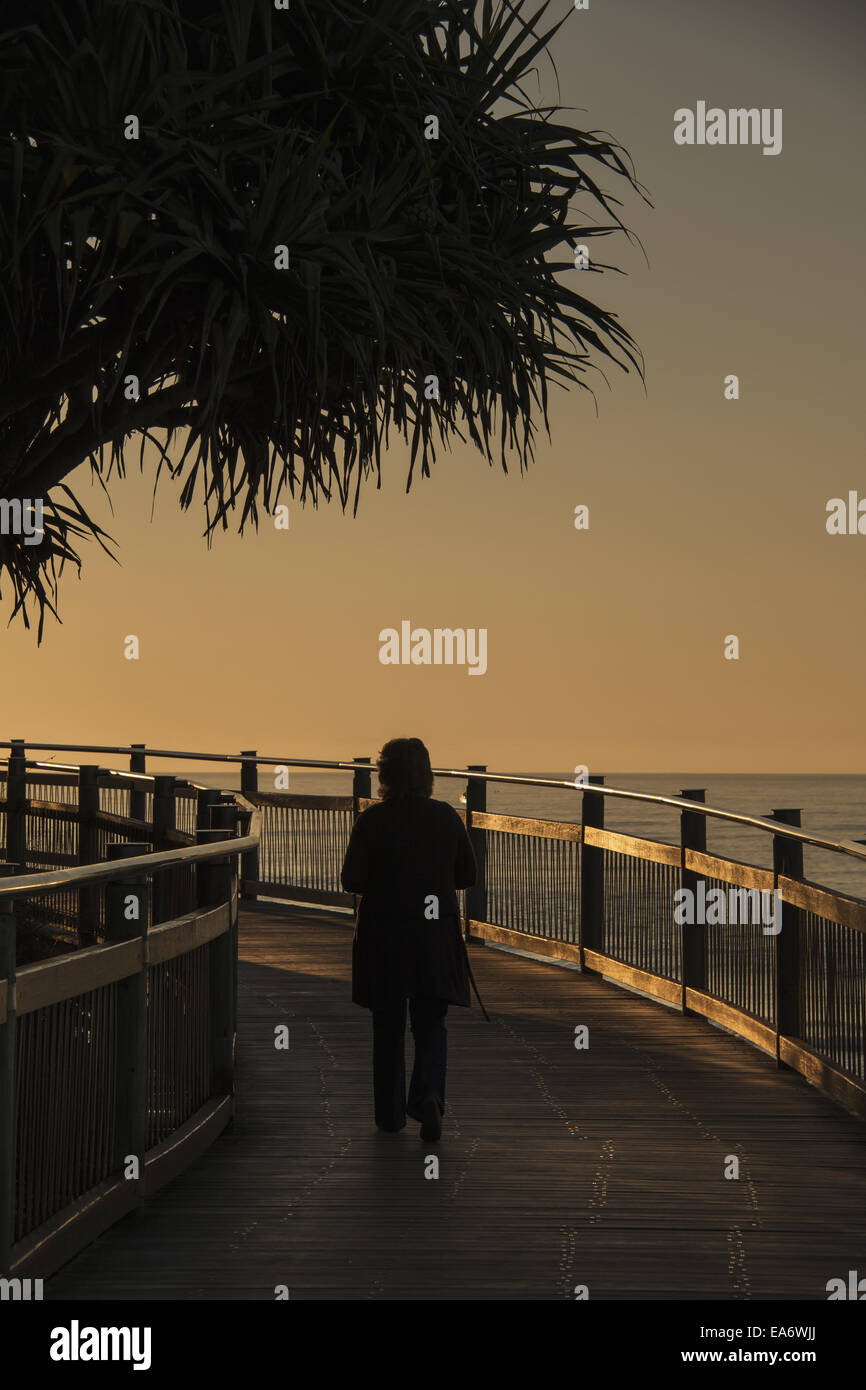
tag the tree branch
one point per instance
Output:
(69, 448)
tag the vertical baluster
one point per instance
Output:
(40, 1174)
(57, 1100)
(574, 850)
(808, 979)
(563, 895)
(88, 1115)
(860, 1003)
(46, 1115)
(559, 848)
(26, 1104)
(550, 923)
(537, 871)
(844, 986)
(856, 1003)
(72, 1028)
(851, 956)
(520, 849)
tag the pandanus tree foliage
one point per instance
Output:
(143, 297)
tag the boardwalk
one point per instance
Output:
(558, 1167)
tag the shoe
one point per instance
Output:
(390, 1129)
(431, 1124)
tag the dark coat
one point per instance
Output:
(402, 853)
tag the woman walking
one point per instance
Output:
(407, 857)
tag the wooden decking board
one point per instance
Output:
(557, 1167)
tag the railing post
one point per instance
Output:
(163, 809)
(163, 820)
(362, 784)
(204, 800)
(88, 851)
(8, 1097)
(693, 937)
(476, 801)
(16, 804)
(217, 884)
(126, 918)
(362, 790)
(226, 816)
(787, 861)
(591, 874)
(137, 798)
(249, 789)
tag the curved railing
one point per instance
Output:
(117, 1041)
(788, 974)
(785, 968)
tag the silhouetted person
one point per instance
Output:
(407, 857)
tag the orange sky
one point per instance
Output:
(707, 517)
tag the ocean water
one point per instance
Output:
(833, 807)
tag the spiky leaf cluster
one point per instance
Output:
(409, 257)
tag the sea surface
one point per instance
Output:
(833, 807)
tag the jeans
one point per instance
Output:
(427, 1018)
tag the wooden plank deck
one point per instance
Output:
(558, 1168)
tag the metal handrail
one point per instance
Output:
(109, 771)
(852, 848)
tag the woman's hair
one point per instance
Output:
(404, 769)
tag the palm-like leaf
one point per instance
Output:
(408, 257)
